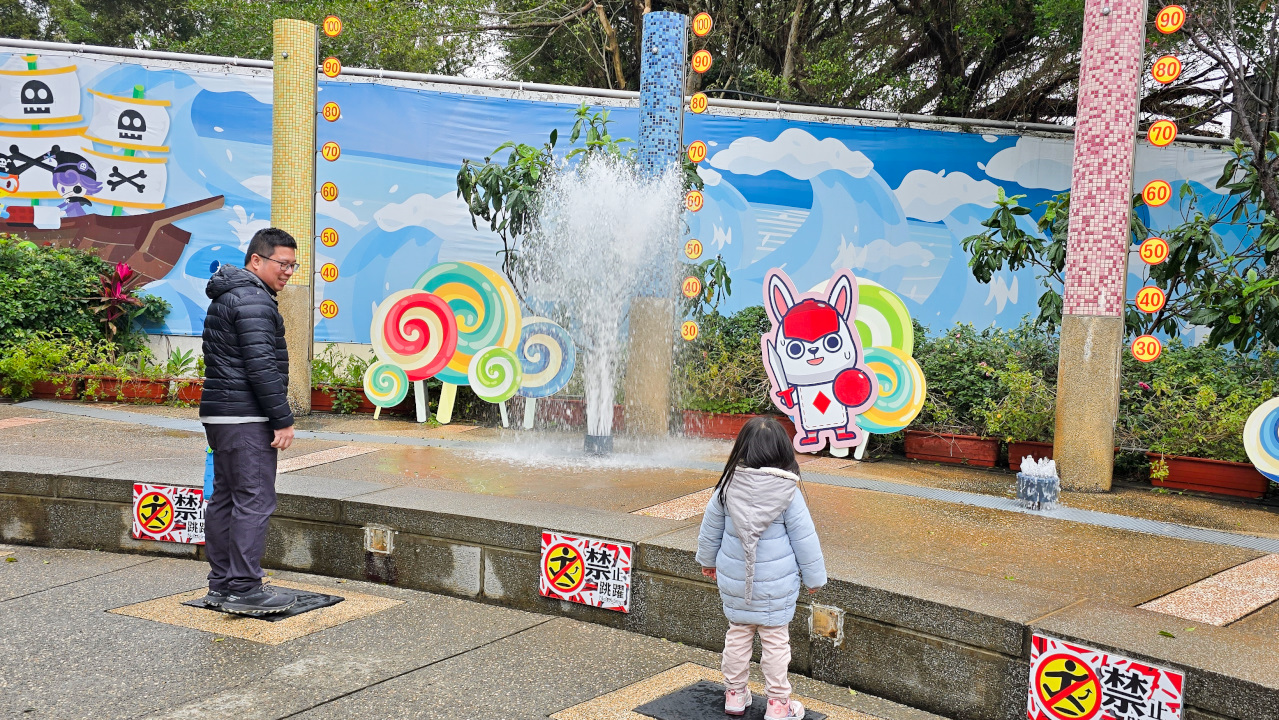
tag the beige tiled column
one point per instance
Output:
(293, 189)
(1092, 329)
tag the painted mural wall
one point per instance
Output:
(891, 204)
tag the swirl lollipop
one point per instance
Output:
(1261, 438)
(487, 314)
(547, 356)
(882, 318)
(417, 332)
(901, 391)
(495, 376)
(385, 385)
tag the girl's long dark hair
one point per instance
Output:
(763, 442)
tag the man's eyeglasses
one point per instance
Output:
(291, 267)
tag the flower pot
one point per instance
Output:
(139, 391)
(948, 448)
(322, 401)
(1212, 476)
(724, 426)
(57, 387)
(1019, 449)
(188, 391)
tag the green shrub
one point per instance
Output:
(1027, 409)
(723, 369)
(341, 377)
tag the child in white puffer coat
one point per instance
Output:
(756, 541)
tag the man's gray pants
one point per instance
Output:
(235, 523)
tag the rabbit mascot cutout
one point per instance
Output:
(813, 357)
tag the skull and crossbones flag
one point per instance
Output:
(131, 182)
(40, 97)
(131, 123)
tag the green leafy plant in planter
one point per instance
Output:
(1191, 419)
(722, 371)
(22, 364)
(1028, 409)
(340, 377)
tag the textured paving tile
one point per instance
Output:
(322, 457)
(171, 611)
(621, 704)
(20, 421)
(681, 508)
(1225, 597)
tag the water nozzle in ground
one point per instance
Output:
(599, 444)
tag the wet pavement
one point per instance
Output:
(862, 531)
(75, 643)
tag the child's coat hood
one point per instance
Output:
(754, 499)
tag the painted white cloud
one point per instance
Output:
(795, 153)
(880, 255)
(709, 176)
(1001, 293)
(335, 210)
(1034, 163)
(930, 196)
(260, 184)
(244, 226)
(432, 213)
(990, 138)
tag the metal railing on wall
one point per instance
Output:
(514, 85)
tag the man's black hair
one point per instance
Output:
(265, 241)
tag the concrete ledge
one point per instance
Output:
(941, 640)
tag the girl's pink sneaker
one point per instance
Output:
(736, 701)
(784, 710)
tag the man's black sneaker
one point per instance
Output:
(213, 599)
(262, 601)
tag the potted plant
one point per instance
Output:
(947, 437)
(1196, 437)
(1025, 417)
(337, 382)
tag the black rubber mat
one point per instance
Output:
(704, 700)
(305, 602)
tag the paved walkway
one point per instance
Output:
(103, 636)
(885, 518)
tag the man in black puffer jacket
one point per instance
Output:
(246, 416)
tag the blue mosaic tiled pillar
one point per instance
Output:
(662, 68)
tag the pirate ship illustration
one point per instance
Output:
(62, 175)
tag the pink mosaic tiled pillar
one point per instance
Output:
(1092, 332)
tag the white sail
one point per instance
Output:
(131, 182)
(133, 123)
(36, 181)
(40, 97)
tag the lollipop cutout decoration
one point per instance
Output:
(385, 385)
(547, 358)
(487, 314)
(1261, 438)
(416, 332)
(495, 374)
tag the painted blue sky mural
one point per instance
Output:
(891, 204)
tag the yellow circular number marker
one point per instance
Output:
(693, 249)
(329, 272)
(329, 309)
(688, 330)
(697, 151)
(1146, 348)
(1150, 299)
(331, 111)
(332, 67)
(1153, 251)
(1166, 69)
(1170, 19)
(702, 24)
(331, 151)
(1162, 132)
(329, 191)
(698, 103)
(701, 61)
(694, 200)
(691, 287)
(1156, 193)
(332, 26)
(329, 237)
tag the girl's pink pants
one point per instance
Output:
(774, 661)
